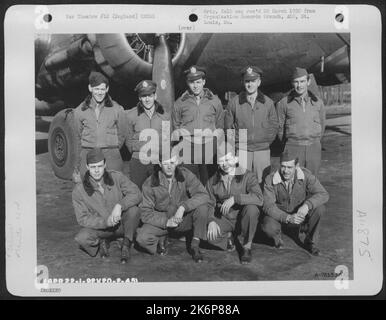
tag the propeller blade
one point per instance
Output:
(163, 73)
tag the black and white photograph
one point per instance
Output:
(211, 157)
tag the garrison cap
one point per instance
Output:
(194, 73)
(251, 73)
(96, 78)
(298, 72)
(95, 155)
(145, 87)
(289, 155)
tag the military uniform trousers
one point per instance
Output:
(88, 238)
(310, 156)
(258, 162)
(112, 156)
(310, 226)
(148, 235)
(243, 217)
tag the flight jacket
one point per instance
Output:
(186, 114)
(138, 120)
(244, 188)
(307, 189)
(260, 121)
(108, 131)
(92, 208)
(300, 126)
(159, 205)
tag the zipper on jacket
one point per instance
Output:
(198, 116)
(253, 123)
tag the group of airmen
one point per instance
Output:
(210, 195)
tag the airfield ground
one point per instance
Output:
(57, 226)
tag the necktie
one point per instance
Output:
(228, 183)
(149, 113)
(97, 111)
(170, 185)
(303, 101)
(288, 186)
(100, 188)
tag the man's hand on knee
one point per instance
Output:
(116, 214)
(213, 231)
(303, 210)
(171, 223)
(178, 216)
(227, 205)
(296, 219)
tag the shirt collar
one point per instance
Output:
(252, 99)
(150, 112)
(94, 104)
(206, 93)
(163, 180)
(305, 97)
(277, 177)
(252, 96)
(226, 177)
(95, 185)
(259, 97)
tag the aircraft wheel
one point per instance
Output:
(62, 144)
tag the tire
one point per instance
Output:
(62, 144)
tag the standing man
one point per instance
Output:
(254, 111)
(302, 122)
(148, 114)
(293, 198)
(100, 124)
(234, 200)
(105, 205)
(198, 108)
(174, 200)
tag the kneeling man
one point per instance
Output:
(173, 200)
(235, 197)
(293, 197)
(106, 207)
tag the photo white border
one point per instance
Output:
(364, 25)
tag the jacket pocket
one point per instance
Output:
(317, 127)
(270, 130)
(209, 118)
(187, 116)
(111, 135)
(290, 128)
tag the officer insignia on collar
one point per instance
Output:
(144, 84)
(249, 70)
(193, 70)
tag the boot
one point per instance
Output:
(197, 255)
(246, 255)
(311, 248)
(195, 251)
(230, 244)
(125, 250)
(162, 246)
(104, 248)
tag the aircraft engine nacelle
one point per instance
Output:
(128, 58)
